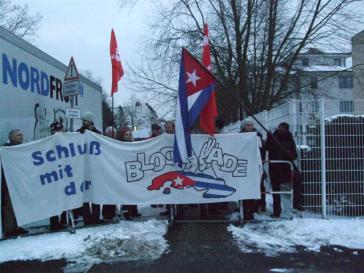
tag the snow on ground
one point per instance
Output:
(275, 237)
(126, 240)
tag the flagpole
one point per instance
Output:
(112, 113)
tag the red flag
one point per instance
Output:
(117, 68)
(209, 113)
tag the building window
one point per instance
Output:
(314, 83)
(337, 62)
(305, 62)
(346, 106)
(345, 82)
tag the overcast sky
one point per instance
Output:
(81, 28)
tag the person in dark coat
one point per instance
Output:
(9, 225)
(280, 146)
(250, 205)
(89, 217)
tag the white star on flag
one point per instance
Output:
(192, 77)
(178, 181)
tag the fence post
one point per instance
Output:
(265, 121)
(323, 159)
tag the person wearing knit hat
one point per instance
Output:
(88, 123)
(56, 222)
(247, 122)
(250, 206)
(88, 117)
(110, 132)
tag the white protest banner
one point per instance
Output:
(61, 172)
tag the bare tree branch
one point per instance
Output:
(16, 19)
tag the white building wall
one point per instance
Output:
(327, 59)
(358, 65)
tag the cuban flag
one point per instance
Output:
(196, 84)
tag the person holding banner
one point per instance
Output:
(89, 217)
(156, 131)
(169, 128)
(10, 226)
(109, 211)
(132, 210)
(249, 205)
(55, 222)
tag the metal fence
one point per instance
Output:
(330, 136)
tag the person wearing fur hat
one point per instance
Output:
(89, 217)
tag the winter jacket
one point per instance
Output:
(285, 149)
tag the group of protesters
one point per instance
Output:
(279, 145)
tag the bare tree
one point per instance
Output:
(16, 19)
(254, 45)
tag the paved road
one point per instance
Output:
(208, 247)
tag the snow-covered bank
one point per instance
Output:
(275, 237)
(126, 240)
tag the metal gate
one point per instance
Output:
(330, 137)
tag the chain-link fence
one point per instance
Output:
(330, 135)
